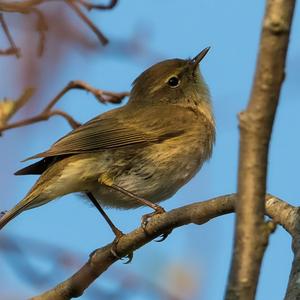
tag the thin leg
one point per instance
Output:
(145, 218)
(158, 209)
(118, 233)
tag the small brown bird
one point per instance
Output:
(138, 154)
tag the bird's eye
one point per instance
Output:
(173, 81)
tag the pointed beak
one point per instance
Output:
(196, 60)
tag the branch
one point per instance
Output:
(29, 6)
(41, 28)
(255, 130)
(13, 50)
(197, 213)
(9, 107)
(101, 95)
(101, 37)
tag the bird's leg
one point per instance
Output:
(117, 232)
(145, 218)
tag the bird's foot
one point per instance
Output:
(158, 210)
(114, 250)
(2, 213)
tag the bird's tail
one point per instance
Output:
(25, 204)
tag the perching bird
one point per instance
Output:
(138, 154)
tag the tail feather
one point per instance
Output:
(19, 208)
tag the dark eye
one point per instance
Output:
(173, 81)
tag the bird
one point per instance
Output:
(139, 154)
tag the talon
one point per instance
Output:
(145, 218)
(163, 236)
(129, 258)
(114, 252)
(2, 213)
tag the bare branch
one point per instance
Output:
(13, 50)
(101, 95)
(255, 128)
(29, 6)
(42, 117)
(102, 38)
(9, 107)
(19, 6)
(197, 213)
(41, 28)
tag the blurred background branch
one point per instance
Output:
(31, 6)
(11, 107)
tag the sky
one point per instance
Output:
(193, 262)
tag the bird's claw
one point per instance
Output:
(2, 213)
(147, 217)
(162, 237)
(114, 252)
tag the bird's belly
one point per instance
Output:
(155, 174)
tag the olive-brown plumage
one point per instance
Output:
(150, 147)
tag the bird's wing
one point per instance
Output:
(106, 133)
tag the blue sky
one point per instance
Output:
(166, 29)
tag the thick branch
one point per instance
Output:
(256, 127)
(197, 213)
(293, 289)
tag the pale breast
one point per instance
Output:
(156, 172)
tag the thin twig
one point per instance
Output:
(29, 6)
(14, 106)
(197, 213)
(19, 6)
(256, 126)
(41, 27)
(13, 48)
(101, 95)
(102, 38)
(42, 117)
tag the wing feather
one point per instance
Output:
(104, 133)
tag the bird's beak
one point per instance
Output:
(196, 60)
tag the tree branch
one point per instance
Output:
(13, 50)
(28, 6)
(101, 95)
(101, 37)
(9, 107)
(197, 213)
(255, 130)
